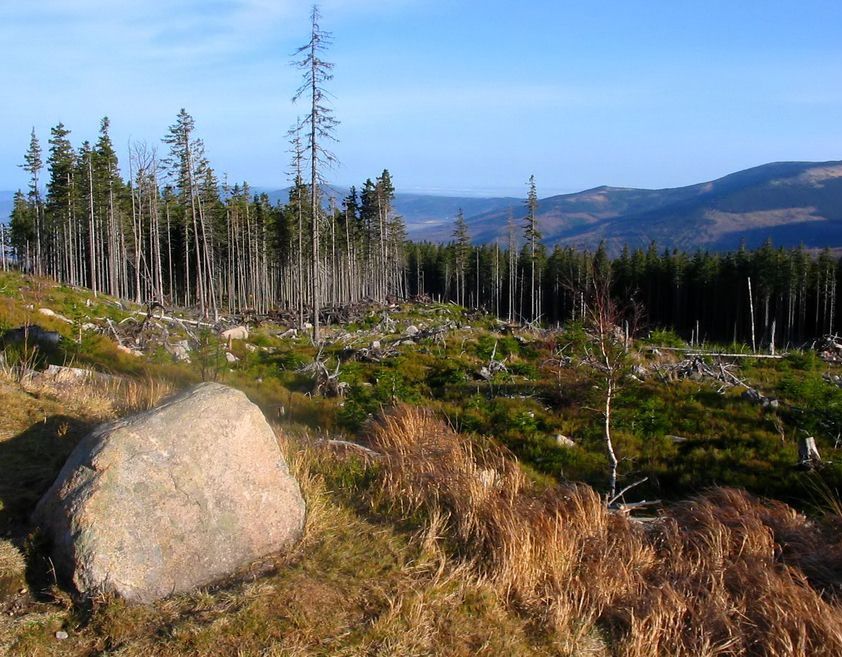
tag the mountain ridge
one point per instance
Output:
(790, 202)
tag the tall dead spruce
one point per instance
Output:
(320, 125)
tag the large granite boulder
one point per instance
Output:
(172, 498)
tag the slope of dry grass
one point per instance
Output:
(355, 585)
(722, 574)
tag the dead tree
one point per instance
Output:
(320, 125)
(606, 352)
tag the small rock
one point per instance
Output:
(46, 312)
(250, 347)
(236, 333)
(563, 441)
(61, 635)
(375, 344)
(411, 331)
(180, 351)
(129, 350)
(231, 358)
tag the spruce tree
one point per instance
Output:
(461, 252)
(32, 164)
(59, 212)
(23, 231)
(321, 126)
(533, 238)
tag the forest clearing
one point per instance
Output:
(440, 398)
(427, 413)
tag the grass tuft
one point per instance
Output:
(724, 573)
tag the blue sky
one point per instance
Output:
(457, 97)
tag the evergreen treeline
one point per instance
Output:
(702, 296)
(171, 232)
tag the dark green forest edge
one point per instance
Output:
(522, 402)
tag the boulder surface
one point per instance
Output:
(172, 498)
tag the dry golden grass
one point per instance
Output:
(724, 574)
(12, 568)
(101, 399)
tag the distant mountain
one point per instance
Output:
(423, 212)
(790, 202)
(428, 211)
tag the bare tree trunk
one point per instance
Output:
(92, 228)
(751, 312)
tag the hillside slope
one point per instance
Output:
(790, 202)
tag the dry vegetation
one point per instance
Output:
(723, 574)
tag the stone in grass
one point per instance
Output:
(172, 498)
(563, 441)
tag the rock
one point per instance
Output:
(676, 439)
(563, 441)
(411, 331)
(61, 635)
(236, 333)
(172, 498)
(231, 358)
(179, 350)
(375, 345)
(251, 348)
(129, 351)
(46, 312)
(61, 375)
